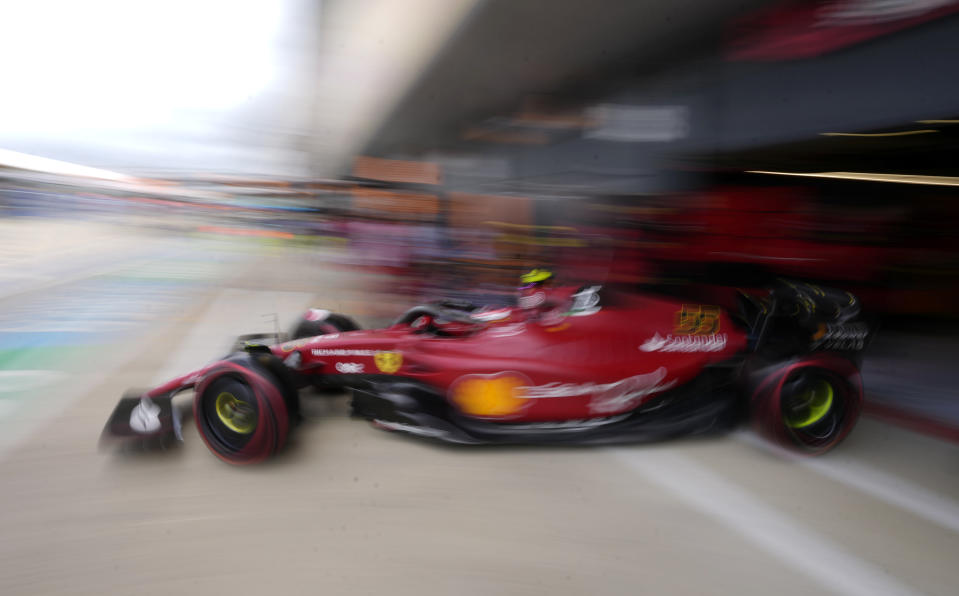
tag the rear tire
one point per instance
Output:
(807, 406)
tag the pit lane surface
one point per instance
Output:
(349, 509)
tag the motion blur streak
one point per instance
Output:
(835, 569)
(13, 159)
(878, 134)
(874, 177)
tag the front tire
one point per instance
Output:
(241, 412)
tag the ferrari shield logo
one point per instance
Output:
(388, 362)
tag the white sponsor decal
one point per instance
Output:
(316, 314)
(492, 315)
(532, 301)
(340, 352)
(330, 336)
(629, 392)
(552, 318)
(851, 336)
(625, 393)
(145, 417)
(293, 360)
(507, 330)
(579, 424)
(685, 343)
(351, 368)
(415, 430)
(585, 302)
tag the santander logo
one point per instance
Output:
(685, 343)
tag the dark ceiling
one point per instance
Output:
(509, 49)
(896, 150)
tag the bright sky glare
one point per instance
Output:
(115, 64)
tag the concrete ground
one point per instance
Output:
(350, 509)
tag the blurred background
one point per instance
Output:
(175, 173)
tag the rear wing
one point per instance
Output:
(803, 317)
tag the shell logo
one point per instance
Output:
(292, 345)
(490, 396)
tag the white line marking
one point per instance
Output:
(887, 488)
(183, 520)
(780, 536)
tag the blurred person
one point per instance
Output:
(536, 296)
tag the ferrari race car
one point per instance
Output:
(590, 365)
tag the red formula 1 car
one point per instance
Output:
(590, 365)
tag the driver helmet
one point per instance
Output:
(532, 290)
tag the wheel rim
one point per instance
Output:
(809, 406)
(235, 413)
(815, 409)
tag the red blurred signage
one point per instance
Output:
(803, 29)
(395, 170)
